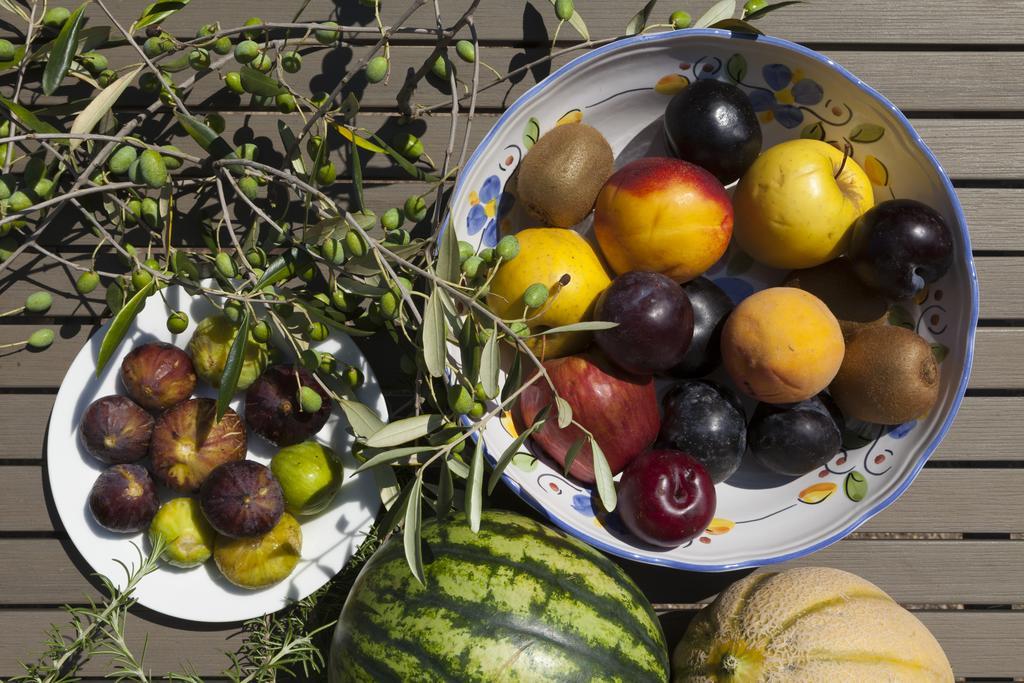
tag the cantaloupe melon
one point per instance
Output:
(808, 624)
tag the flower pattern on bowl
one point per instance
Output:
(787, 89)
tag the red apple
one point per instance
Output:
(619, 409)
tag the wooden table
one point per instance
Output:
(951, 548)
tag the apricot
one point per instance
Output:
(664, 216)
(782, 345)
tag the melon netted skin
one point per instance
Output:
(807, 624)
(517, 601)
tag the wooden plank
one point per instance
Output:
(995, 217)
(940, 500)
(921, 84)
(999, 279)
(978, 644)
(996, 359)
(982, 430)
(919, 572)
(864, 21)
(172, 644)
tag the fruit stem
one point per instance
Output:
(14, 311)
(847, 151)
(13, 344)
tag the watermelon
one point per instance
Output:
(517, 601)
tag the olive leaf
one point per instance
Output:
(448, 256)
(434, 335)
(724, 9)
(317, 234)
(411, 533)
(292, 146)
(207, 138)
(475, 485)
(120, 324)
(603, 477)
(233, 366)
(564, 412)
(157, 12)
(576, 21)
(736, 67)
(64, 48)
(14, 8)
(590, 326)
(513, 448)
(770, 8)
(639, 21)
(404, 431)
(490, 363)
(445, 491)
(98, 107)
(400, 159)
(259, 84)
(114, 297)
(570, 455)
(27, 118)
(513, 379)
(391, 455)
(364, 422)
(358, 140)
(737, 26)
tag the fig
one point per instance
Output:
(188, 443)
(158, 376)
(209, 348)
(260, 561)
(310, 474)
(115, 430)
(188, 537)
(242, 499)
(123, 498)
(273, 408)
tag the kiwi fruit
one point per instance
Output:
(888, 376)
(851, 302)
(560, 177)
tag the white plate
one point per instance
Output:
(622, 89)
(201, 593)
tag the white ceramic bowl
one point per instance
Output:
(622, 89)
(202, 594)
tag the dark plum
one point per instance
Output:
(711, 306)
(712, 124)
(123, 498)
(158, 376)
(242, 499)
(115, 430)
(666, 497)
(273, 410)
(899, 246)
(796, 438)
(655, 322)
(707, 421)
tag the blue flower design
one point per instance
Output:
(581, 503)
(900, 431)
(483, 211)
(789, 88)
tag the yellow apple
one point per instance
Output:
(795, 206)
(546, 256)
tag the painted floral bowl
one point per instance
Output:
(622, 89)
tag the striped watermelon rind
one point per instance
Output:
(517, 601)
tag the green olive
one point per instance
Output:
(564, 9)
(487, 255)
(377, 69)
(177, 322)
(333, 250)
(317, 331)
(309, 400)
(55, 17)
(87, 282)
(465, 50)
(173, 163)
(327, 362)
(252, 21)
(415, 208)
(353, 377)
(6, 50)
(206, 30)
(248, 151)
(149, 83)
(480, 393)
(285, 103)
(43, 188)
(233, 80)
(340, 301)
(391, 219)
(19, 201)
(535, 295)
(141, 278)
(409, 145)
(199, 59)
(389, 305)
(246, 51)
(6, 183)
(225, 265)
(261, 332)
(752, 6)
(222, 45)
(121, 159)
(150, 212)
(508, 248)
(326, 36)
(94, 62)
(257, 258)
(155, 46)
(40, 339)
(399, 236)
(477, 411)
(680, 19)
(106, 77)
(465, 250)
(440, 67)
(152, 169)
(248, 186)
(459, 399)
(519, 328)
(38, 302)
(472, 266)
(291, 61)
(262, 63)
(233, 310)
(326, 174)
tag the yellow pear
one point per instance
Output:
(547, 256)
